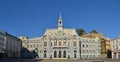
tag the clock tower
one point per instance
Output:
(60, 24)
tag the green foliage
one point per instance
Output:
(80, 32)
(93, 31)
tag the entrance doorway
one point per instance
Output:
(59, 54)
(64, 54)
(55, 54)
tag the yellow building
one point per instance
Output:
(94, 35)
(106, 48)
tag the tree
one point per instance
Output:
(80, 32)
(93, 31)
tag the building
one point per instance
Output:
(106, 48)
(61, 43)
(2, 39)
(94, 35)
(10, 46)
(90, 48)
(116, 48)
(31, 47)
(105, 44)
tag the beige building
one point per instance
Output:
(94, 35)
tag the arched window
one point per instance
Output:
(64, 54)
(75, 51)
(60, 22)
(55, 54)
(45, 51)
(45, 43)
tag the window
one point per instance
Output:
(27, 46)
(64, 43)
(34, 46)
(55, 43)
(75, 51)
(45, 51)
(75, 44)
(74, 55)
(83, 45)
(86, 45)
(83, 51)
(51, 43)
(45, 43)
(59, 43)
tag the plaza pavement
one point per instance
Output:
(59, 60)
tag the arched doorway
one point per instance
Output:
(45, 53)
(55, 54)
(75, 52)
(59, 54)
(64, 54)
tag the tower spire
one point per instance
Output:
(60, 15)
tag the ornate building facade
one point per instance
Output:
(61, 43)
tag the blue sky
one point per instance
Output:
(32, 17)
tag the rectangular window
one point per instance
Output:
(64, 43)
(75, 44)
(55, 43)
(59, 43)
(45, 43)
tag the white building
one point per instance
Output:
(116, 48)
(90, 48)
(61, 43)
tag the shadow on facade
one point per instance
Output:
(29, 54)
(109, 54)
(26, 56)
